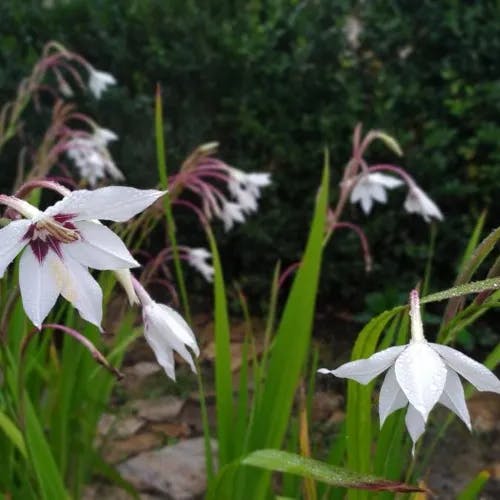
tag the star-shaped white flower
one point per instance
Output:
(99, 81)
(231, 213)
(372, 187)
(166, 331)
(245, 187)
(59, 244)
(420, 375)
(92, 158)
(418, 202)
(198, 257)
(103, 136)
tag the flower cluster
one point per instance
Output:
(205, 176)
(60, 244)
(91, 157)
(368, 185)
(420, 374)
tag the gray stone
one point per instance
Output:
(158, 410)
(177, 471)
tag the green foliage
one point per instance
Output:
(276, 81)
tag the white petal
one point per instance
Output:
(358, 192)
(453, 397)
(39, 283)
(260, 179)
(181, 328)
(477, 374)
(99, 248)
(415, 425)
(377, 192)
(364, 370)
(418, 202)
(124, 277)
(387, 181)
(82, 290)
(162, 350)
(169, 329)
(366, 203)
(391, 397)
(116, 203)
(421, 374)
(12, 242)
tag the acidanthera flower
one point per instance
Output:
(99, 81)
(245, 187)
(59, 245)
(91, 156)
(418, 202)
(197, 258)
(420, 375)
(372, 187)
(166, 331)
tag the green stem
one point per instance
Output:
(171, 229)
(206, 426)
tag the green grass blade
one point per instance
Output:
(473, 241)
(283, 461)
(167, 205)
(13, 433)
(48, 476)
(458, 291)
(290, 347)
(473, 489)
(293, 338)
(223, 376)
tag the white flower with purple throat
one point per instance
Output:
(59, 244)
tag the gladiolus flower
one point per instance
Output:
(62, 242)
(198, 257)
(418, 202)
(92, 158)
(99, 81)
(372, 187)
(166, 331)
(420, 375)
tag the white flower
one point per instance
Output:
(103, 135)
(99, 81)
(62, 242)
(92, 158)
(231, 213)
(245, 188)
(166, 331)
(198, 257)
(372, 187)
(418, 202)
(420, 375)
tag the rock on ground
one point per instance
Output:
(177, 471)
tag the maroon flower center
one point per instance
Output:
(50, 233)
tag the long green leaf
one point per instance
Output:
(457, 291)
(13, 433)
(291, 345)
(223, 376)
(284, 461)
(167, 205)
(48, 476)
(473, 489)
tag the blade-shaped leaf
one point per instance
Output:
(457, 291)
(223, 376)
(291, 463)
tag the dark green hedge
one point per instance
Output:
(274, 81)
